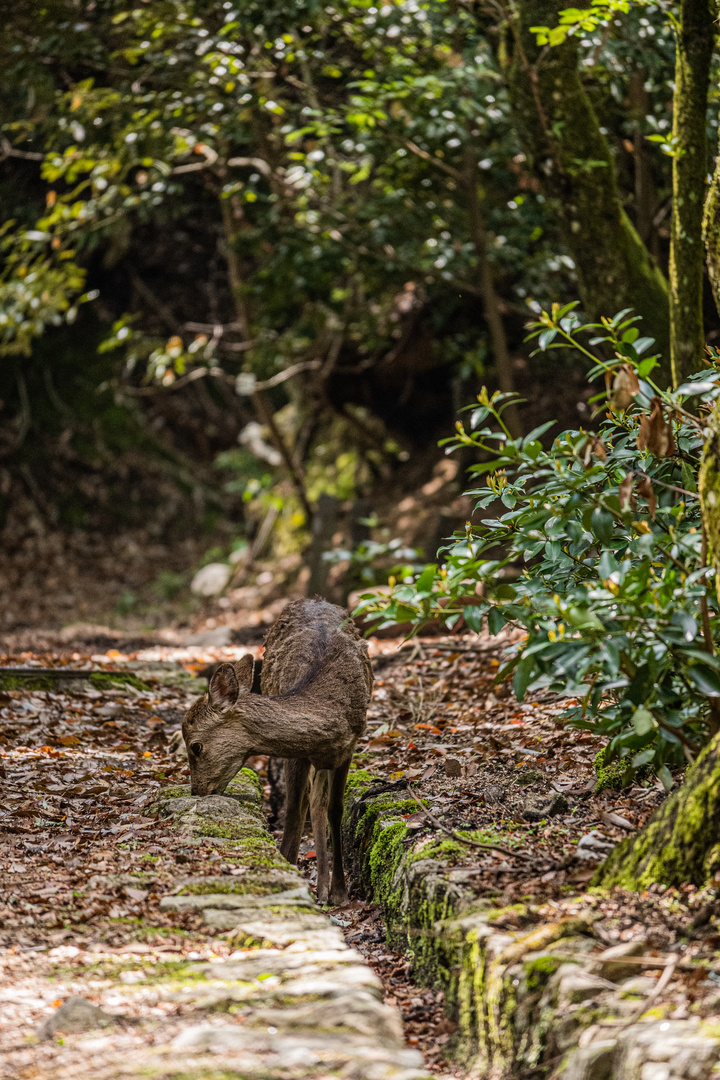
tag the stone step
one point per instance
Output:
(291, 1002)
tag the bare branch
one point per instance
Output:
(427, 156)
(208, 153)
(8, 150)
(257, 163)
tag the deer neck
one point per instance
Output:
(284, 728)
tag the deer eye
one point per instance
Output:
(196, 748)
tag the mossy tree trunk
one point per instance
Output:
(711, 227)
(681, 841)
(694, 48)
(561, 137)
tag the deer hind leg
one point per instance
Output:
(319, 799)
(296, 782)
(338, 891)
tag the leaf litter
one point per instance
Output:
(83, 868)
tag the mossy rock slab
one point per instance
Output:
(244, 788)
(218, 808)
(277, 928)
(284, 887)
(166, 673)
(524, 990)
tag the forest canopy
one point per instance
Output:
(334, 221)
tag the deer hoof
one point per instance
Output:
(338, 897)
(322, 896)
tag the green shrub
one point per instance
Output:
(594, 548)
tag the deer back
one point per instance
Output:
(314, 649)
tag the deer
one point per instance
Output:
(315, 689)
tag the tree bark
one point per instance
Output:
(644, 189)
(232, 222)
(561, 137)
(681, 841)
(693, 55)
(491, 303)
(711, 229)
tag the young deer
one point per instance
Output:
(316, 683)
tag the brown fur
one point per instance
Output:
(316, 683)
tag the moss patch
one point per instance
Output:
(225, 830)
(103, 680)
(252, 884)
(27, 682)
(677, 845)
(539, 969)
(613, 775)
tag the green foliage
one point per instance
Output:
(581, 20)
(372, 562)
(593, 547)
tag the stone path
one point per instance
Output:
(290, 1000)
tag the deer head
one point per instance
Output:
(212, 733)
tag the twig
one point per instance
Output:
(658, 962)
(161, 309)
(177, 384)
(220, 373)
(256, 547)
(669, 487)
(8, 150)
(266, 416)
(288, 373)
(463, 839)
(670, 965)
(432, 160)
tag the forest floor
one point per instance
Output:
(80, 759)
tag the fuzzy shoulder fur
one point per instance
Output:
(314, 647)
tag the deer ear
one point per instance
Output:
(223, 689)
(244, 670)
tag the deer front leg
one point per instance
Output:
(319, 799)
(296, 782)
(338, 892)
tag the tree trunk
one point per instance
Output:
(694, 47)
(491, 303)
(711, 228)
(645, 200)
(562, 139)
(681, 841)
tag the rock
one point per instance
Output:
(75, 1014)
(493, 794)
(211, 579)
(594, 846)
(655, 1070)
(576, 985)
(594, 1062)
(609, 964)
(638, 987)
(529, 776)
(453, 767)
(215, 807)
(217, 638)
(537, 807)
(227, 901)
(87, 632)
